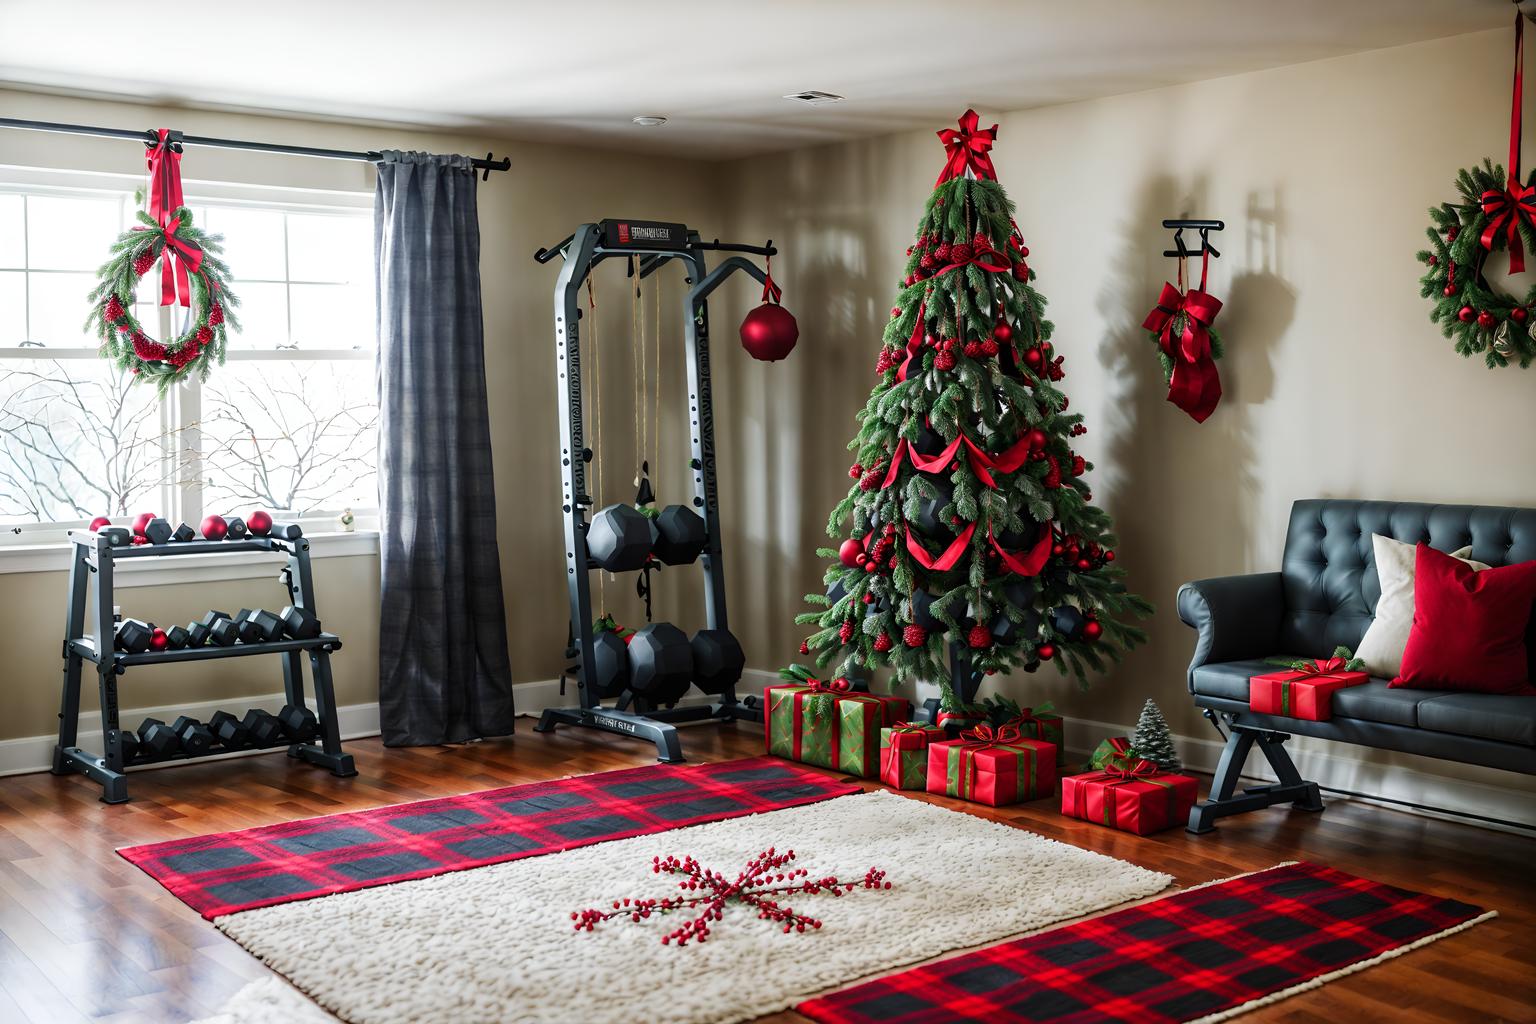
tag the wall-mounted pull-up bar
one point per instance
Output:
(487, 165)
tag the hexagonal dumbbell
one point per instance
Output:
(682, 535)
(248, 631)
(183, 533)
(660, 662)
(222, 630)
(299, 623)
(262, 728)
(158, 531)
(158, 739)
(228, 731)
(195, 737)
(197, 634)
(134, 635)
(176, 637)
(268, 625)
(619, 538)
(610, 665)
(299, 723)
(236, 528)
(717, 660)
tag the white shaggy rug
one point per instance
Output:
(496, 944)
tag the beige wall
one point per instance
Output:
(548, 192)
(1336, 383)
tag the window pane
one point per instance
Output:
(57, 310)
(13, 308)
(263, 315)
(253, 241)
(296, 437)
(71, 233)
(13, 249)
(332, 316)
(335, 248)
(77, 440)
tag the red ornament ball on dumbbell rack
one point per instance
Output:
(99, 522)
(258, 523)
(141, 522)
(214, 528)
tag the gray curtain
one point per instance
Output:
(443, 670)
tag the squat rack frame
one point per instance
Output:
(588, 246)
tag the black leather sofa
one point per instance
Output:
(1322, 597)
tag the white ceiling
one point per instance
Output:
(577, 71)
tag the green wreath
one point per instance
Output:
(194, 273)
(1479, 319)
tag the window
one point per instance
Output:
(287, 424)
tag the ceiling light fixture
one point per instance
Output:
(815, 97)
(650, 120)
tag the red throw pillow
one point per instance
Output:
(1468, 626)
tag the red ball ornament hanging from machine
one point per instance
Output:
(769, 332)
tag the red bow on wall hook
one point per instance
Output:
(1506, 210)
(1181, 324)
(165, 197)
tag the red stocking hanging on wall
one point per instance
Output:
(1188, 345)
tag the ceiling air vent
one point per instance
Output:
(815, 97)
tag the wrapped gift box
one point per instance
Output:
(1305, 693)
(1043, 724)
(1138, 798)
(955, 721)
(1116, 748)
(992, 766)
(821, 724)
(904, 754)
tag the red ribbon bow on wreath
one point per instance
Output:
(1506, 210)
(1195, 385)
(968, 148)
(165, 197)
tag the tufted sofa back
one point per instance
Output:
(1329, 569)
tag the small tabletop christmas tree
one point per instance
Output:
(1153, 740)
(970, 519)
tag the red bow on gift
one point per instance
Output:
(1324, 668)
(986, 734)
(967, 148)
(1195, 385)
(1516, 203)
(1142, 769)
(838, 685)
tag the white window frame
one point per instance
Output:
(43, 546)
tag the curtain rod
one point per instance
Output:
(487, 164)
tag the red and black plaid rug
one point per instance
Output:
(1179, 958)
(299, 860)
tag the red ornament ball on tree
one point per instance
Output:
(1466, 314)
(1486, 320)
(851, 553)
(979, 637)
(883, 642)
(1448, 290)
(769, 332)
(258, 523)
(1092, 630)
(99, 522)
(914, 635)
(1518, 314)
(1002, 333)
(1045, 652)
(214, 528)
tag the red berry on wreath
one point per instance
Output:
(883, 642)
(1045, 652)
(216, 314)
(855, 471)
(914, 635)
(144, 261)
(851, 553)
(1466, 314)
(1485, 320)
(805, 647)
(1448, 290)
(895, 312)
(1518, 314)
(979, 637)
(114, 310)
(845, 631)
(1092, 630)
(204, 334)
(941, 253)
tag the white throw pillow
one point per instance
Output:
(1382, 646)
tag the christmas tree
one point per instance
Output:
(970, 519)
(1153, 740)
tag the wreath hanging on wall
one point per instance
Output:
(191, 274)
(1495, 212)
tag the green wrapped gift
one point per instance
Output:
(1115, 750)
(1043, 724)
(827, 724)
(904, 754)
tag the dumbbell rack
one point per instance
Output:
(652, 245)
(93, 554)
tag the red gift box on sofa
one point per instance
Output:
(1132, 797)
(992, 766)
(1302, 693)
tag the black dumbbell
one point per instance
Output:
(236, 528)
(157, 531)
(133, 635)
(299, 723)
(610, 665)
(195, 737)
(270, 626)
(184, 533)
(717, 660)
(225, 633)
(197, 634)
(158, 739)
(261, 727)
(660, 663)
(286, 531)
(680, 535)
(248, 631)
(117, 536)
(619, 538)
(299, 623)
(129, 742)
(176, 637)
(229, 731)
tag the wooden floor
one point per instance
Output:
(84, 936)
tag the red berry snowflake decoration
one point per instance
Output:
(762, 879)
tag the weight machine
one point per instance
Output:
(650, 245)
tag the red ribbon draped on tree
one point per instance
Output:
(968, 147)
(165, 198)
(1195, 385)
(1506, 210)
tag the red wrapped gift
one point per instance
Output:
(992, 766)
(1137, 797)
(1302, 693)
